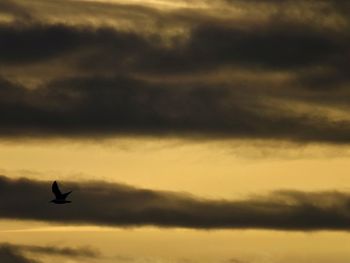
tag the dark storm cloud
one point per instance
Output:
(119, 205)
(105, 107)
(276, 45)
(22, 43)
(112, 93)
(281, 45)
(13, 253)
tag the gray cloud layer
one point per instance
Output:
(119, 205)
(109, 81)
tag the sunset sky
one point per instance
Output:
(190, 131)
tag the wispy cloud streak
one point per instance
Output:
(14, 253)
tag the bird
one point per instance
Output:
(59, 197)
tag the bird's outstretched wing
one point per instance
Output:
(56, 190)
(66, 194)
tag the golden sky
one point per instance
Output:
(188, 130)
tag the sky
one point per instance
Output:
(187, 130)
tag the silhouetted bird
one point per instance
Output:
(60, 198)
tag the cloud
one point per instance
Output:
(14, 253)
(10, 254)
(125, 106)
(273, 45)
(60, 251)
(12, 8)
(33, 42)
(106, 81)
(106, 204)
